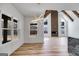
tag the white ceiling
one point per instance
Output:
(36, 9)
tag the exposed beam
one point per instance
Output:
(76, 13)
(67, 15)
(47, 12)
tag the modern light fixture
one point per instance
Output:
(41, 16)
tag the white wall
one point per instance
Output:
(62, 19)
(10, 47)
(40, 33)
(48, 18)
(73, 27)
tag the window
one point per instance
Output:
(45, 23)
(45, 27)
(15, 31)
(8, 29)
(62, 23)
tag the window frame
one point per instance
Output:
(10, 29)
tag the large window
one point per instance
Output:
(8, 28)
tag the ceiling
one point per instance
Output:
(36, 9)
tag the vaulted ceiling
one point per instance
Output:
(36, 9)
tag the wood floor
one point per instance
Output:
(52, 47)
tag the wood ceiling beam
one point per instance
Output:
(47, 12)
(67, 15)
(76, 13)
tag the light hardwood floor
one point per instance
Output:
(52, 47)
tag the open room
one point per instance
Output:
(39, 29)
